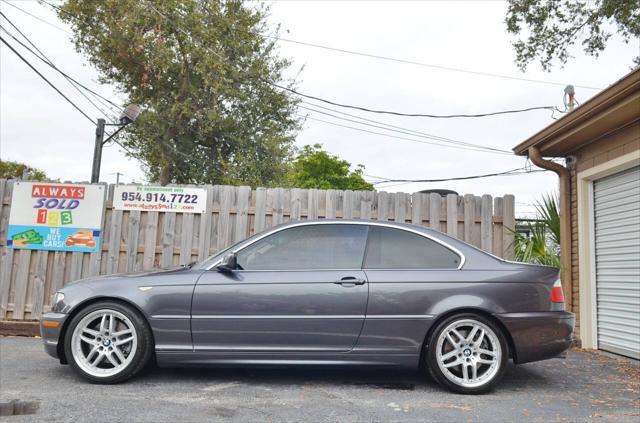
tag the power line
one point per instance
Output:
(398, 137)
(389, 112)
(46, 80)
(472, 147)
(67, 76)
(47, 60)
(365, 109)
(403, 130)
(428, 65)
(74, 83)
(518, 171)
(37, 17)
(100, 98)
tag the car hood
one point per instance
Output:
(143, 273)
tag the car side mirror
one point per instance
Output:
(228, 264)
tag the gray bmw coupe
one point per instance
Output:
(324, 292)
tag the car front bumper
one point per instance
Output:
(51, 326)
(539, 335)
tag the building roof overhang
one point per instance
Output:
(615, 107)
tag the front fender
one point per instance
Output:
(163, 298)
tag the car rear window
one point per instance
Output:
(390, 248)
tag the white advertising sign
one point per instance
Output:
(159, 198)
(58, 217)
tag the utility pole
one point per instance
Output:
(118, 177)
(129, 115)
(97, 151)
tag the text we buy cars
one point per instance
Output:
(59, 217)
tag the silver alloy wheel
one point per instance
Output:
(468, 353)
(104, 342)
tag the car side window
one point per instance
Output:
(390, 248)
(310, 247)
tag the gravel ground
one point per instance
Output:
(587, 386)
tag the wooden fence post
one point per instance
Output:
(452, 215)
(508, 225)
(486, 223)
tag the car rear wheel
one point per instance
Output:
(467, 354)
(108, 342)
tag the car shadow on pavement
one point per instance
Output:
(280, 376)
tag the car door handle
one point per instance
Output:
(350, 281)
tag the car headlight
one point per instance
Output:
(56, 301)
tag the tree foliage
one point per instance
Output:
(202, 72)
(548, 28)
(316, 168)
(16, 170)
(542, 246)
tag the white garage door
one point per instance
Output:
(617, 258)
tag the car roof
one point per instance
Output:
(358, 222)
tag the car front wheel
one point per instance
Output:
(467, 354)
(108, 342)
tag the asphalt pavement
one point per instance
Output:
(586, 386)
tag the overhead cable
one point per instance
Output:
(390, 112)
(401, 138)
(48, 61)
(47, 81)
(365, 109)
(67, 76)
(37, 17)
(428, 65)
(401, 130)
(518, 171)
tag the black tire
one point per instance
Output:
(143, 353)
(438, 374)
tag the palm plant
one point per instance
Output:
(542, 246)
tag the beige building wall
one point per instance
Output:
(604, 155)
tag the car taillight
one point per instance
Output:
(556, 293)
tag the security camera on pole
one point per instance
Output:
(128, 115)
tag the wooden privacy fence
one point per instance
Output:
(135, 240)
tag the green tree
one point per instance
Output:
(202, 70)
(546, 29)
(315, 168)
(542, 246)
(15, 170)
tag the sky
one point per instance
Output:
(38, 127)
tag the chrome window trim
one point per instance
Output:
(349, 222)
(279, 316)
(171, 316)
(399, 316)
(303, 316)
(301, 270)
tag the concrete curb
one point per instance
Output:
(19, 328)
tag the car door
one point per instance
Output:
(408, 273)
(298, 289)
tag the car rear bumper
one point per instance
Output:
(50, 327)
(539, 335)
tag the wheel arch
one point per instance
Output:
(81, 306)
(463, 310)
